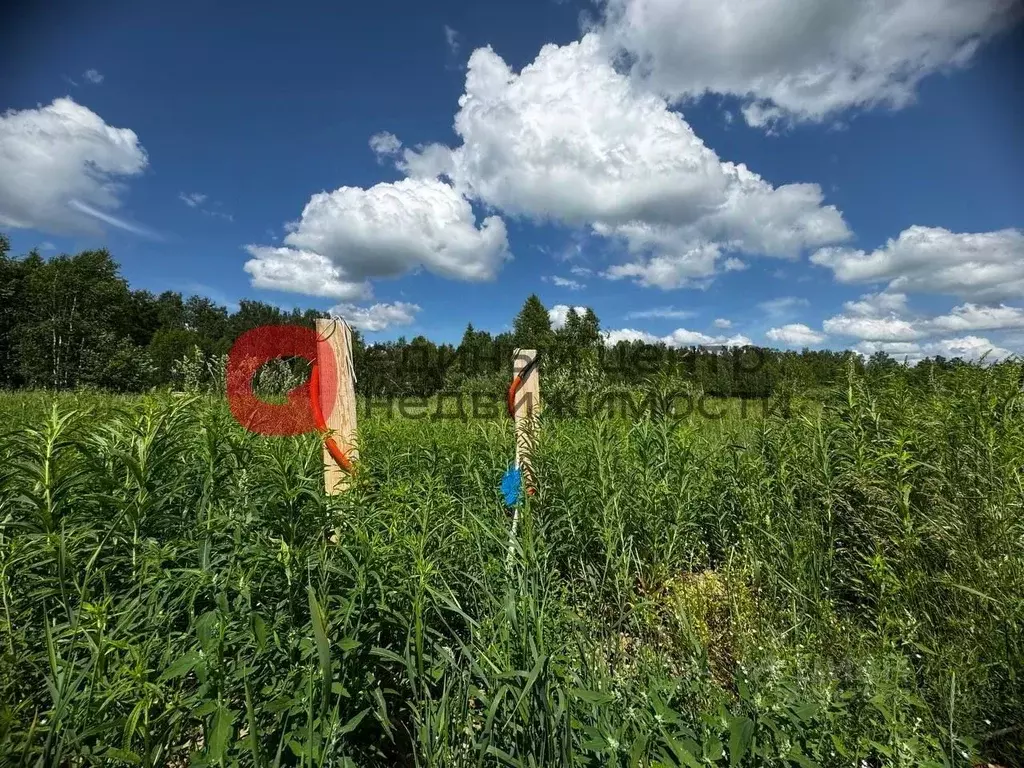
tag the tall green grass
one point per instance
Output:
(840, 586)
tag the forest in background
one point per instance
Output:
(72, 321)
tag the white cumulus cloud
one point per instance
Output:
(560, 313)
(875, 304)
(693, 268)
(61, 168)
(799, 59)
(987, 266)
(385, 144)
(297, 271)
(795, 334)
(875, 328)
(896, 328)
(681, 337)
(426, 162)
(354, 234)
(970, 348)
(570, 139)
(971, 317)
(377, 317)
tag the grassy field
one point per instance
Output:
(842, 586)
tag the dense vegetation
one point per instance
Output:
(839, 586)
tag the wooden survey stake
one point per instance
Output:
(527, 409)
(334, 342)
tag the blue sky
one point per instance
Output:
(881, 142)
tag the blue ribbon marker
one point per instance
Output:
(511, 485)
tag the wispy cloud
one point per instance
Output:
(193, 200)
(93, 76)
(571, 249)
(114, 221)
(451, 37)
(661, 312)
(564, 282)
(196, 200)
(783, 305)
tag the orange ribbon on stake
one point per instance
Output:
(321, 423)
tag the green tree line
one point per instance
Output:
(73, 320)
